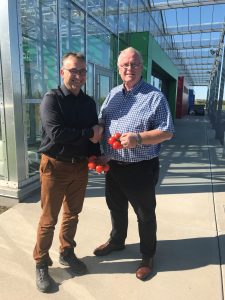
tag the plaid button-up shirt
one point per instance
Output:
(141, 109)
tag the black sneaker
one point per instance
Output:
(42, 279)
(68, 258)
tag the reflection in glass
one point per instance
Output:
(39, 34)
(156, 82)
(133, 17)
(104, 87)
(90, 80)
(112, 15)
(33, 126)
(98, 44)
(72, 28)
(96, 7)
(80, 2)
(123, 13)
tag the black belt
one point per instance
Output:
(122, 163)
(125, 163)
(72, 160)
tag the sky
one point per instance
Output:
(200, 92)
(198, 15)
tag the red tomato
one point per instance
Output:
(106, 168)
(117, 135)
(92, 158)
(116, 145)
(91, 165)
(111, 140)
(99, 169)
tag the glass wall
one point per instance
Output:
(50, 28)
(39, 34)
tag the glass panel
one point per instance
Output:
(80, 2)
(90, 81)
(156, 82)
(123, 19)
(41, 64)
(133, 17)
(72, 30)
(99, 42)
(96, 7)
(33, 136)
(146, 18)
(141, 17)
(50, 46)
(112, 15)
(104, 88)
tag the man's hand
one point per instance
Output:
(129, 140)
(98, 132)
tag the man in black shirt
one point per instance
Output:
(70, 135)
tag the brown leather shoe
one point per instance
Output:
(145, 268)
(107, 248)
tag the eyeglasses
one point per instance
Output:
(75, 71)
(132, 66)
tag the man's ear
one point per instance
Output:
(62, 72)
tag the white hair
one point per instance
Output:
(130, 49)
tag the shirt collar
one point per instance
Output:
(135, 87)
(67, 92)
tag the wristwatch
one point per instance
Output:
(139, 139)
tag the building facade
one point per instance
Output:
(34, 35)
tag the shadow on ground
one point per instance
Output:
(172, 255)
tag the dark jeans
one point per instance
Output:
(134, 183)
(63, 184)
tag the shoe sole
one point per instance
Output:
(44, 290)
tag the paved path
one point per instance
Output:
(190, 259)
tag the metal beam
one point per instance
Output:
(194, 44)
(195, 75)
(194, 56)
(194, 64)
(193, 29)
(181, 4)
(203, 71)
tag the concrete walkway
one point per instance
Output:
(190, 259)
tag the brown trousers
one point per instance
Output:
(62, 184)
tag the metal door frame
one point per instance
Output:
(98, 70)
(2, 124)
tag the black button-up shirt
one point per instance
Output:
(66, 124)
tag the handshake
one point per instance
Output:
(98, 132)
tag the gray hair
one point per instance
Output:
(130, 49)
